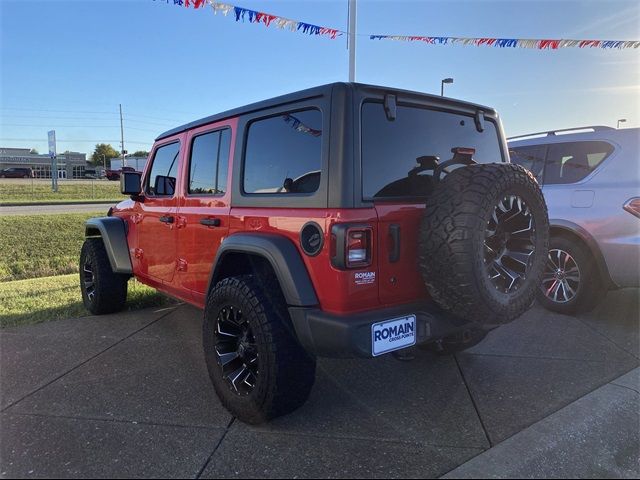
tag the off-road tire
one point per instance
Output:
(590, 288)
(286, 371)
(452, 242)
(108, 293)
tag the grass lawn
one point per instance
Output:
(40, 245)
(38, 300)
(28, 191)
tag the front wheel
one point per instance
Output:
(256, 364)
(103, 291)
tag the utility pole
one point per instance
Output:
(122, 150)
(352, 40)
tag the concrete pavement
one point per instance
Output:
(128, 395)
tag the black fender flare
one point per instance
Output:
(282, 255)
(113, 232)
(592, 245)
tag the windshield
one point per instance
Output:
(391, 149)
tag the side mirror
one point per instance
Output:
(130, 183)
(164, 185)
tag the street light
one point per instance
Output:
(444, 80)
(622, 120)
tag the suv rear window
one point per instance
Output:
(572, 161)
(283, 153)
(390, 149)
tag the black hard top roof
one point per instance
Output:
(300, 95)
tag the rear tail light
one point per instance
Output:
(633, 206)
(352, 246)
(358, 247)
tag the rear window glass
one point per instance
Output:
(390, 149)
(283, 153)
(572, 161)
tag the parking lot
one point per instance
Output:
(128, 395)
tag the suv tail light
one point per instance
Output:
(633, 206)
(352, 246)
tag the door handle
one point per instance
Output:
(394, 251)
(210, 222)
(167, 219)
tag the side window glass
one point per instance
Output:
(284, 153)
(162, 178)
(209, 163)
(531, 158)
(572, 161)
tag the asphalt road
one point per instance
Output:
(128, 395)
(52, 209)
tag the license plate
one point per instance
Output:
(393, 334)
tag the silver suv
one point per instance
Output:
(591, 183)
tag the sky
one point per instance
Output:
(67, 65)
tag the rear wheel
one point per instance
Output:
(256, 364)
(483, 242)
(571, 283)
(103, 291)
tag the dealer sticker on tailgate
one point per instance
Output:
(393, 334)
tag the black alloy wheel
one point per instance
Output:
(89, 280)
(509, 243)
(236, 350)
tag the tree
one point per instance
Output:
(34, 151)
(102, 153)
(140, 153)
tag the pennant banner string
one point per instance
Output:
(252, 16)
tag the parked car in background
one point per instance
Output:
(16, 172)
(590, 178)
(115, 174)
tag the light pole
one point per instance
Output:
(444, 80)
(352, 40)
(622, 120)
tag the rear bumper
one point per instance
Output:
(348, 336)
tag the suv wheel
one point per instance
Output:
(256, 365)
(571, 283)
(103, 291)
(484, 242)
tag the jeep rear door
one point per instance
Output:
(397, 159)
(204, 209)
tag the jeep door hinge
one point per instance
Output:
(181, 222)
(181, 265)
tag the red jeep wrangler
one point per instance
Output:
(344, 220)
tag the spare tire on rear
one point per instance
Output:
(483, 243)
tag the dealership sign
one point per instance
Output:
(52, 142)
